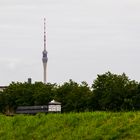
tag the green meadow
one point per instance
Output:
(72, 126)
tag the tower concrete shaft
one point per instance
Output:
(45, 58)
(45, 72)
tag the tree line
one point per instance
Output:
(109, 92)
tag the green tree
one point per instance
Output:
(111, 91)
(43, 93)
(25, 94)
(17, 94)
(136, 97)
(74, 97)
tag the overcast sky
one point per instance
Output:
(85, 38)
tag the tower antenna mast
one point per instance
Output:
(44, 33)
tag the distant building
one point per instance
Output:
(3, 87)
(54, 106)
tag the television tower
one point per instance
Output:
(45, 58)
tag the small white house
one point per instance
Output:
(54, 106)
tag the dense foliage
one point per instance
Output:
(116, 92)
(72, 126)
(108, 92)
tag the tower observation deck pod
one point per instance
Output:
(45, 57)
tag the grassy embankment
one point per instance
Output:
(73, 126)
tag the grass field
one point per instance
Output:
(73, 126)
